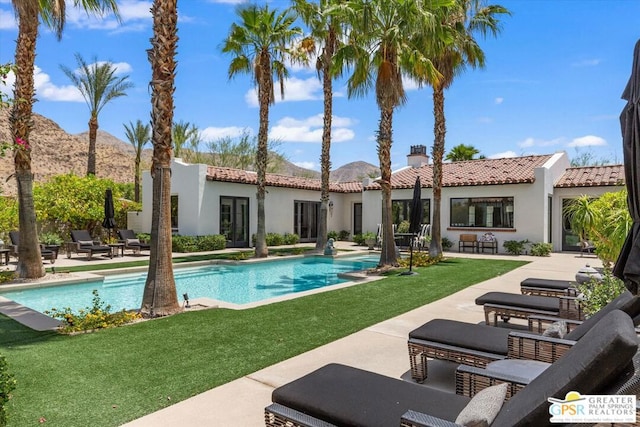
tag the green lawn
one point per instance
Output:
(113, 376)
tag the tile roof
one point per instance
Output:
(513, 170)
(592, 176)
(216, 173)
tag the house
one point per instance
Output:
(514, 198)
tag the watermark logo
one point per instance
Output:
(577, 408)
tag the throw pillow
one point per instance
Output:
(556, 330)
(85, 242)
(134, 242)
(483, 407)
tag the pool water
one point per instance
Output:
(237, 284)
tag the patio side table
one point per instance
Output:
(114, 249)
(6, 255)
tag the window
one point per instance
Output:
(489, 212)
(174, 212)
(401, 210)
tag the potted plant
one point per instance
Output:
(369, 239)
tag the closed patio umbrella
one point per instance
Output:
(415, 219)
(627, 266)
(109, 221)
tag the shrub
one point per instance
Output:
(290, 238)
(144, 237)
(50, 239)
(358, 239)
(184, 244)
(420, 259)
(332, 235)
(212, 242)
(98, 316)
(446, 243)
(343, 235)
(403, 227)
(7, 385)
(541, 249)
(595, 294)
(6, 276)
(274, 239)
(515, 247)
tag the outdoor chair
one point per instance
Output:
(468, 241)
(507, 305)
(478, 345)
(488, 241)
(420, 241)
(339, 395)
(131, 242)
(83, 243)
(548, 287)
(15, 242)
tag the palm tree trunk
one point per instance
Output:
(136, 180)
(388, 254)
(160, 298)
(265, 93)
(93, 134)
(439, 131)
(325, 156)
(29, 257)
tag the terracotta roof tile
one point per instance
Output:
(216, 173)
(513, 170)
(592, 176)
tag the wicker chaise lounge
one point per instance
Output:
(478, 345)
(15, 243)
(507, 305)
(83, 243)
(128, 237)
(548, 287)
(338, 395)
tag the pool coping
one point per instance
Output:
(41, 322)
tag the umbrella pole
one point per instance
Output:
(410, 272)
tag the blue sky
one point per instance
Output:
(552, 82)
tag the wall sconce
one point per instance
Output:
(186, 300)
(331, 207)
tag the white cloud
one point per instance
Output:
(45, 89)
(7, 88)
(294, 90)
(587, 63)
(212, 133)
(289, 129)
(133, 13)
(499, 100)
(307, 165)
(503, 155)
(121, 67)
(532, 142)
(409, 83)
(7, 20)
(587, 141)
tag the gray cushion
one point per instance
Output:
(467, 335)
(546, 283)
(85, 242)
(591, 365)
(484, 406)
(347, 396)
(518, 300)
(621, 301)
(556, 330)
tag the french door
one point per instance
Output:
(306, 216)
(234, 221)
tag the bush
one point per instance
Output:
(291, 238)
(446, 244)
(274, 239)
(343, 235)
(358, 239)
(403, 227)
(6, 276)
(186, 244)
(515, 247)
(332, 235)
(541, 249)
(595, 294)
(7, 385)
(420, 259)
(50, 239)
(98, 316)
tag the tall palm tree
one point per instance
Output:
(181, 132)
(451, 57)
(28, 13)
(325, 39)
(138, 135)
(159, 297)
(260, 44)
(462, 152)
(98, 85)
(380, 50)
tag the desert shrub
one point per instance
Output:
(515, 247)
(274, 239)
(595, 293)
(541, 249)
(185, 244)
(332, 235)
(98, 316)
(358, 239)
(343, 235)
(7, 385)
(290, 238)
(420, 259)
(446, 243)
(6, 276)
(50, 238)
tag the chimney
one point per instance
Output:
(418, 156)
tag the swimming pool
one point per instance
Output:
(237, 284)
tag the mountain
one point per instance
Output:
(56, 152)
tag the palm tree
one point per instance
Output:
(138, 135)
(28, 13)
(462, 152)
(159, 297)
(98, 85)
(325, 38)
(181, 132)
(379, 51)
(451, 55)
(260, 44)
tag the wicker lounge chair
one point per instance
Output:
(548, 287)
(131, 242)
(83, 244)
(338, 395)
(507, 305)
(15, 242)
(478, 345)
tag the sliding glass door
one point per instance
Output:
(234, 221)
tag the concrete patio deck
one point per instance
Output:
(380, 348)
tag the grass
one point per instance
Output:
(113, 376)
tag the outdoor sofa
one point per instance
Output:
(339, 395)
(548, 287)
(83, 243)
(15, 242)
(478, 345)
(131, 241)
